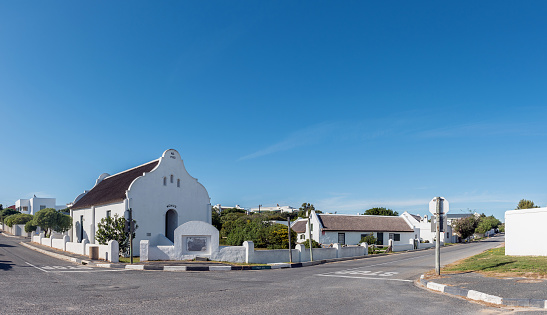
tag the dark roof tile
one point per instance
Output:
(364, 223)
(113, 188)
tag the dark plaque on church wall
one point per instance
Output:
(196, 243)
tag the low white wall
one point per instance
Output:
(77, 248)
(16, 229)
(231, 253)
(109, 252)
(524, 232)
(400, 248)
(426, 245)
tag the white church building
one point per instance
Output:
(161, 194)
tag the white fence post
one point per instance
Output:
(144, 246)
(65, 240)
(365, 245)
(249, 251)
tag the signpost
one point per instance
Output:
(439, 207)
(129, 228)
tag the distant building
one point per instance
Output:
(349, 229)
(423, 225)
(277, 208)
(35, 204)
(221, 208)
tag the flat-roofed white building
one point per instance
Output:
(35, 204)
(277, 208)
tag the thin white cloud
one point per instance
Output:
(482, 129)
(299, 138)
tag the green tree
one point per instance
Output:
(19, 218)
(369, 239)
(485, 224)
(50, 220)
(113, 228)
(278, 237)
(30, 226)
(381, 211)
(4, 213)
(526, 204)
(465, 227)
(215, 218)
(314, 244)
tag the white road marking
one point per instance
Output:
(367, 278)
(36, 267)
(69, 268)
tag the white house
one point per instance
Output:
(349, 229)
(277, 208)
(220, 208)
(35, 204)
(525, 232)
(423, 228)
(161, 194)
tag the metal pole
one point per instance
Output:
(289, 228)
(438, 238)
(130, 235)
(309, 235)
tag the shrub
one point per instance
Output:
(369, 239)
(20, 218)
(30, 226)
(314, 244)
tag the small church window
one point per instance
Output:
(172, 179)
(178, 182)
(165, 181)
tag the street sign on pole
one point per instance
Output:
(438, 206)
(443, 205)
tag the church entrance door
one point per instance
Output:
(171, 223)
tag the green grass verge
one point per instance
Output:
(127, 260)
(494, 261)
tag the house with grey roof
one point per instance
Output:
(161, 194)
(349, 229)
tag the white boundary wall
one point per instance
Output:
(108, 252)
(247, 253)
(525, 232)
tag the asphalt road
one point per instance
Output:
(34, 283)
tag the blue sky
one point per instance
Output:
(345, 105)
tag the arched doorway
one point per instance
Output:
(171, 223)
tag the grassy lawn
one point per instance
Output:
(493, 262)
(127, 260)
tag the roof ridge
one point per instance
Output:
(130, 169)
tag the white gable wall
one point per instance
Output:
(150, 199)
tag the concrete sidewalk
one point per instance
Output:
(501, 291)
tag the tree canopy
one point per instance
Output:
(465, 227)
(526, 204)
(50, 219)
(4, 213)
(19, 218)
(485, 224)
(381, 211)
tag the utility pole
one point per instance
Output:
(289, 228)
(309, 234)
(438, 238)
(131, 235)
